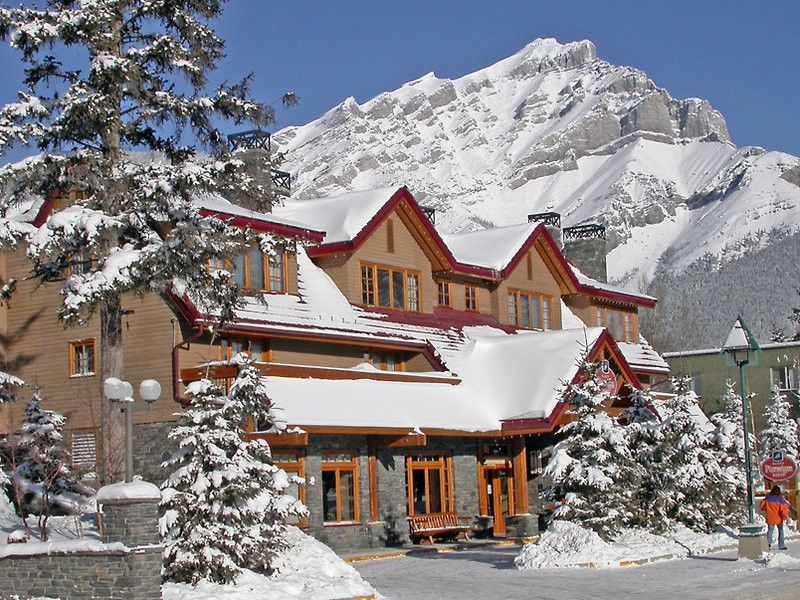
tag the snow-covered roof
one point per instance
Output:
(588, 282)
(642, 357)
(218, 204)
(341, 217)
(772, 346)
(503, 376)
(491, 248)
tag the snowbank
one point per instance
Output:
(567, 544)
(308, 570)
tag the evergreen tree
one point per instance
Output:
(224, 505)
(686, 482)
(594, 474)
(127, 127)
(643, 436)
(44, 458)
(780, 432)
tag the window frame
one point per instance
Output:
(370, 286)
(520, 297)
(337, 467)
(267, 263)
(444, 292)
(72, 346)
(468, 302)
(443, 462)
(620, 322)
(790, 376)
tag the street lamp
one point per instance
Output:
(742, 350)
(121, 392)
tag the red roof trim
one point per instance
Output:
(259, 225)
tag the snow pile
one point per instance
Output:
(135, 490)
(567, 544)
(308, 570)
(780, 561)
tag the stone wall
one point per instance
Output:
(126, 567)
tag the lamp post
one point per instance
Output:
(121, 392)
(742, 350)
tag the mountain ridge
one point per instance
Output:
(555, 128)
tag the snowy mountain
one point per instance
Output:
(555, 128)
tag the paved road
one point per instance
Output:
(486, 573)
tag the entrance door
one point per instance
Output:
(498, 482)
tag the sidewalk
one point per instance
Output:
(365, 554)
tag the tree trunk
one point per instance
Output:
(111, 365)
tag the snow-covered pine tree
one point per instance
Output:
(8, 383)
(686, 482)
(224, 505)
(643, 431)
(44, 459)
(780, 431)
(594, 476)
(129, 131)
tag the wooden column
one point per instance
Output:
(374, 513)
(519, 461)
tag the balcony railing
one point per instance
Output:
(584, 232)
(281, 180)
(249, 140)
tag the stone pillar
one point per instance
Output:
(130, 516)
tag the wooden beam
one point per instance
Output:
(410, 440)
(282, 440)
(519, 460)
(374, 512)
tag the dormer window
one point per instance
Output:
(390, 287)
(253, 270)
(528, 310)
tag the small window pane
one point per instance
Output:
(238, 270)
(545, 313)
(329, 495)
(512, 309)
(256, 269)
(398, 289)
(367, 286)
(525, 310)
(435, 491)
(277, 272)
(347, 492)
(384, 298)
(413, 292)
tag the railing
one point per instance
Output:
(584, 232)
(430, 213)
(281, 180)
(553, 219)
(248, 140)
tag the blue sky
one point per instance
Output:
(744, 57)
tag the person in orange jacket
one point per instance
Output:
(776, 509)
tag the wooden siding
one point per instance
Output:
(38, 347)
(541, 281)
(585, 308)
(346, 270)
(316, 354)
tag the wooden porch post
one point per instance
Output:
(520, 463)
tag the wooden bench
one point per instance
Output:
(444, 525)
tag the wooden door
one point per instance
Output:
(497, 495)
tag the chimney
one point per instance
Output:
(585, 247)
(254, 149)
(552, 222)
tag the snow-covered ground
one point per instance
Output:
(309, 570)
(567, 544)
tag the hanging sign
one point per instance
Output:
(606, 378)
(778, 467)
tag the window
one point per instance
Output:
(81, 358)
(531, 311)
(339, 486)
(783, 377)
(470, 297)
(389, 361)
(253, 270)
(620, 324)
(83, 449)
(81, 262)
(390, 287)
(258, 350)
(292, 461)
(444, 293)
(429, 484)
